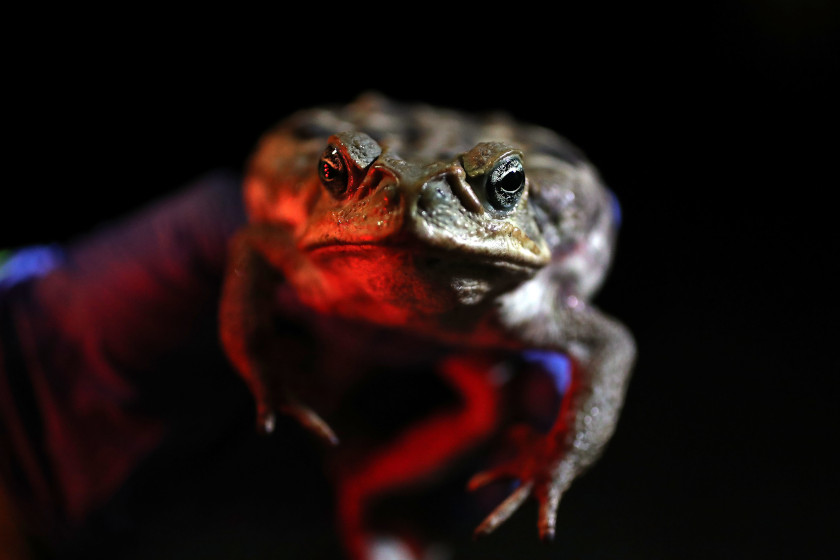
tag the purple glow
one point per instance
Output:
(30, 262)
(558, 365)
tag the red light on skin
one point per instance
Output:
(423, 450)
(371, 282)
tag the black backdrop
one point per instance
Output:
(715, 125)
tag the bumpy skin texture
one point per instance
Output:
(401, 229)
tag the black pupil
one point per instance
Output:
(512, 180)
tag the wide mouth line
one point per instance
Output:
(457, 257)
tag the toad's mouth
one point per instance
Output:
(409, 280)
(432, 258)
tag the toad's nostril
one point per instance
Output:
(432, 197)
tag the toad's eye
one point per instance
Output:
(506, 183)
(332, 169)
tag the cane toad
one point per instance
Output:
(478, 232)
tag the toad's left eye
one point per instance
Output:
(506, 183)
(333, 172)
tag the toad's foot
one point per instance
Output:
(539, 467)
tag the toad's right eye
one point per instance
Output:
(506, 183)
(332, 169)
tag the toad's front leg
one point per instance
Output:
(269, 363)
(546, 464)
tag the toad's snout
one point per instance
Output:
(454, 180)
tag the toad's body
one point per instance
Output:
(474, 235)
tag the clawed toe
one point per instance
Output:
(308, 418)
(483, 478)
(504, 510)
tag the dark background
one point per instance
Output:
(715, 125)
